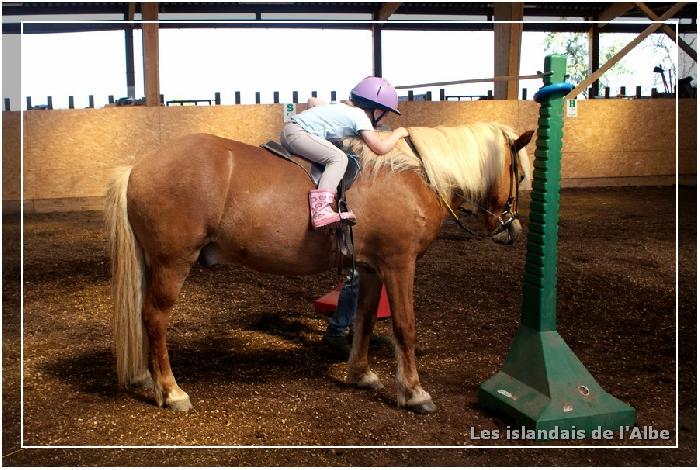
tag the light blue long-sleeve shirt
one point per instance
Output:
(333, 121)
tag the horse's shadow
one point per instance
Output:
(294, 351)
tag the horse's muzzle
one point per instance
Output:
(510, 235)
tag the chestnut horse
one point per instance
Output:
(229, 202)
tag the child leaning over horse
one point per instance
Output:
(308, 134)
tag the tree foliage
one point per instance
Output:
(575, 47)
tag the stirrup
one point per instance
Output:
(348, 218)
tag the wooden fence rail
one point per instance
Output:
(607, 93)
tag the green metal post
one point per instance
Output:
(542, 384)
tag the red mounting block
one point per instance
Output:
(326, 304)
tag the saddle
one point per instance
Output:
(314, 171)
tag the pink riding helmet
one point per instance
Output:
(378, 92)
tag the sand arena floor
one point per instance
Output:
(247, 348)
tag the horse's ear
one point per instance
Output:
(523, 140)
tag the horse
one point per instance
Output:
(210, 198)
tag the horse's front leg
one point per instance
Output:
(164, 285)
(399, 284)
(359, 373)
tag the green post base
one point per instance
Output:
(543, 385)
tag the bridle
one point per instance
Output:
(509, 211)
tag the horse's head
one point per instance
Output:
(499, 209)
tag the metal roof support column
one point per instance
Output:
(377, 50)
(151, 75)
(594, 56)
(129, 48)
(507, 39)
(383, 13)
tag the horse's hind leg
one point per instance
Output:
(359, 373)
(399, 284)
(164, 284)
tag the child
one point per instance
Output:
(308, 132)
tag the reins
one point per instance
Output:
(507, 216)
(456, 217)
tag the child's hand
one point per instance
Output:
(382, 145)
(313, 102)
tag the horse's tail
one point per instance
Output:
(128, 284)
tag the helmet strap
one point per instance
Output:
(374, 120)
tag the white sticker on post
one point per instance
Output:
(571, 108)
(289, 111)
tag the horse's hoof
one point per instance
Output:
(372, 386)
(369, 381)
(180, 405)
(144, 381)
(423, 408)
(178, 400)
(419, 402)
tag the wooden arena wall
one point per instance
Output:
(69, 154)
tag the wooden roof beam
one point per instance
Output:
(507, 41)
(386, 10)
(151, 73)
(670, 32)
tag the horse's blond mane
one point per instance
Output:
(468, 158)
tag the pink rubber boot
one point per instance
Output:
(322, 214)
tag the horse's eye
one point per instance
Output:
(522, 178)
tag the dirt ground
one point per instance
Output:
(247, 348)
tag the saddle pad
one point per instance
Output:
(314, 170)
